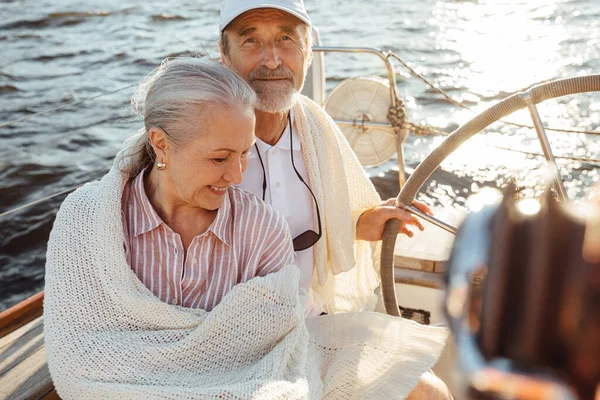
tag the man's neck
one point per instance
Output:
(270, 126)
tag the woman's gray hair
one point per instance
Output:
(169, 94)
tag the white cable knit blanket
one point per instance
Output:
(108, 337)
(346, 270)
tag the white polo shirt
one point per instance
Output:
(286, 193)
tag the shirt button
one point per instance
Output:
(277, 184)
(174, 302)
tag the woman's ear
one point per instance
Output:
(160, 144)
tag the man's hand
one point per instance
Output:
(371, 223)
(594, 195)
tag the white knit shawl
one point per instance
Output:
(346, 271)
(108, 337)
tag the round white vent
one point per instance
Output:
(359, 101)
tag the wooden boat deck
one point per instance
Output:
(23, 369)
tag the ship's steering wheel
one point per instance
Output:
(515, 102)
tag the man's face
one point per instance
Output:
(268, 48)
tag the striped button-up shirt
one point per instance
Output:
(248, 238)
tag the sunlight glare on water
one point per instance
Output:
(505, 47)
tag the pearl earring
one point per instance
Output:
(160, 165)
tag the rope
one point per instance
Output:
(456, 103)
(401, 125)
(588, 160)
(63, 106)
(397, 117)
(426, 130)
(14, 210)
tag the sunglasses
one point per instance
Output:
(309, 238)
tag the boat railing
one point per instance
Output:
(20, 314)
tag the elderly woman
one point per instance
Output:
(189, 234)
(165, 281)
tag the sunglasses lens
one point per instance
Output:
(305, 240)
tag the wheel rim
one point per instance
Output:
(515, 102)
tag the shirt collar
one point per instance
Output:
(151, 220)
(221, 226)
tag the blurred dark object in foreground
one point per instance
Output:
(524, 299)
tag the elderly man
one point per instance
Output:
(301, 163)
(303, 166)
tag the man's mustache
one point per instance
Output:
(264, 73)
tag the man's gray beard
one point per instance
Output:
(276, 98)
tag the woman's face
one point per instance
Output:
(198, 173)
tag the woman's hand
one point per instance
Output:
(371, 223)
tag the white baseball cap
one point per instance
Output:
(230, 9)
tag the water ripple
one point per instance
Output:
(167, 17)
